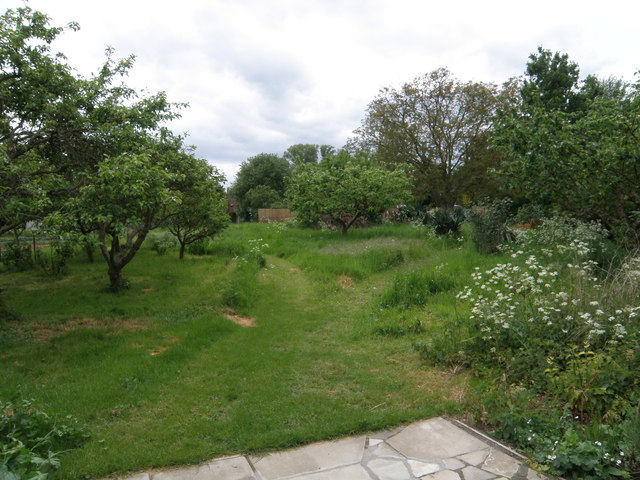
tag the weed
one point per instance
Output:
(31, 441)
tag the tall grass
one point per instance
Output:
(414, 288)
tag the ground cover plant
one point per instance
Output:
(170, 356)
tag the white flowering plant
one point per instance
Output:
(546, 321)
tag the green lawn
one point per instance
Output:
(162, 377)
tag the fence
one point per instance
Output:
(269, 215)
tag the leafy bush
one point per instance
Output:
(30, 440)
(53, 260)
(199, 247)
(162, 242)
(491, 225)
(446, 221)
(16, 256)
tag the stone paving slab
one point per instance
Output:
(309, 459)
(433, 449)
(434, 439)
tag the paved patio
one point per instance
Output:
(435, 449)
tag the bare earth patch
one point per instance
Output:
(162, 348)
(345, 281)
(239, 319)
(45, 333)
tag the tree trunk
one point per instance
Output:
(115, 277)
(345, 228)
(89, 249)
(182, 245)
(4, 310)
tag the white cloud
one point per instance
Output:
(261, 76)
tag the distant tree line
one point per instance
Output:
(546, 139)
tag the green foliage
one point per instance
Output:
(572, 150)
(492, 227)
(397, 323)
(16, 256)
(31, 441)
(551, 82)
(264, 169)
(202, 208)
(53, 260)
(199, 247)
(162, 242)
(301, 153)
(40, 98)
(345, 189)
(437, 126)
(445, 221)
(547, 325)
(262, 196)
(414, 288)
(559, 442)
(128, 197)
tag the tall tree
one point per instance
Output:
(431, 124)
(551, 82)
(345, 188)
(301, 153)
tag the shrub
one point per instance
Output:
(491, 227)
(16, 256)
(53, 260)
(446, 221)
(199, 247)
(162, 242)
(30, 440)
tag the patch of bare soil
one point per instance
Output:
(162, 348)
(44, 333)
(345, 281)
(239, 319)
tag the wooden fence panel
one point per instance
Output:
(269, 215)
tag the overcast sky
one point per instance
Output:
(261, 75)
